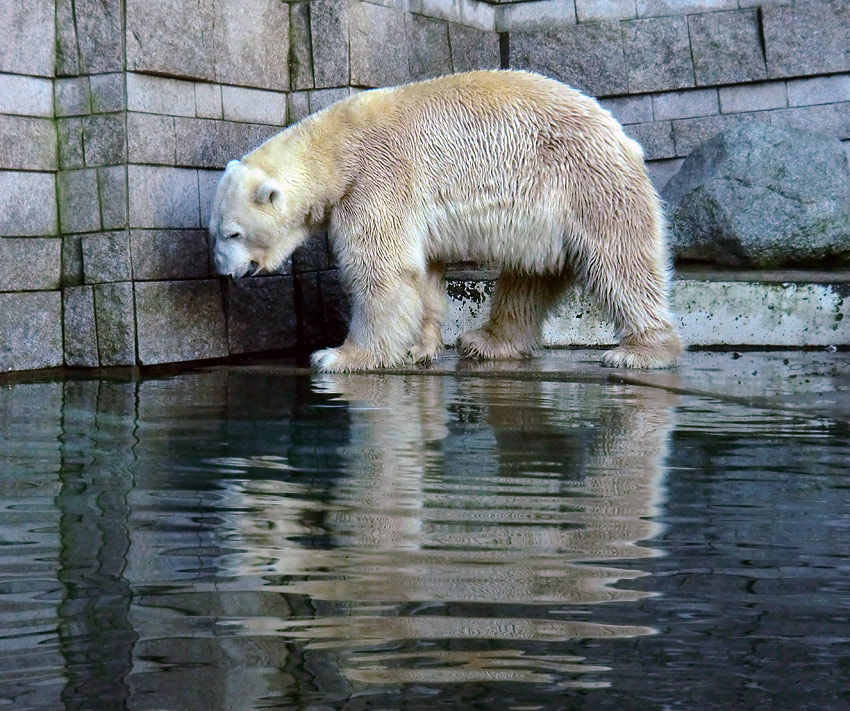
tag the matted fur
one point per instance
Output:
(502, 167)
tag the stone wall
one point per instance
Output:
(117, 116)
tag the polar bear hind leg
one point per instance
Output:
(518, 308)
(632, 286)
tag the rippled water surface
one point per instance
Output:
(241, 539)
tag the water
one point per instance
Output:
(244, 539)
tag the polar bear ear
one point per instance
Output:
(269, 191)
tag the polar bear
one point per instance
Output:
(502, 167)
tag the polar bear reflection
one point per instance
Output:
(475, 493)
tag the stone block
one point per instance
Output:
(72, 260)
(26, 96)
(322, 98)
(160, 95)
(300, 47)
(79, 327)
(99, 35)
(207, 143)
(27, 143)
(30, 264)
(207, 185)
(599, 10)
(73, 97)
(308, 303)
(818, 44)
(261, 314)
(753, 97)
(658, 54)
(112, 185)
(726, 47)
(830, 119)
(29, 32)
(173, 37)
(79, 206)
(211, 144)
(378, 46)
(428, 47)
(163, 197)
(29, 204)
(169, 254)
(660, 171)
(655, 138)
(473, 49)
(67, 51)
(208, 101)
(107, 93)
(819, 90)
(151, 138)
(588, 57)
(690, 133)
(70, 143)
(180, 321)
(329, 33)
(685, 104)
(470, 13)
(629, 109)
(312, 256)
(252, 53)
(534, 16)
(298, 105)
(104, 139)
(336, 307)
(654, 8)
(253, 105)
(406, 5)
(30, 330)
(116, 325)
(106, 257)
(763, 3)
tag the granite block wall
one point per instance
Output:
(118, 116)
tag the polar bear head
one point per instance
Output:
(253, 223)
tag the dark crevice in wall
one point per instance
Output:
(762, 41)
(504, 50)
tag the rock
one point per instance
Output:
(760, 196)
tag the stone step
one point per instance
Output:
(712, 307)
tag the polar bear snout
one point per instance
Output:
(232, 259)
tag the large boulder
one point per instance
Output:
(760, 196)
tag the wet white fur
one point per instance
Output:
(507, 168)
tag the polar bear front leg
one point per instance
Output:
(434, 307)
(385, 323)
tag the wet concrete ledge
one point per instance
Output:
(712, 307)
(810, 383)
(806, 382)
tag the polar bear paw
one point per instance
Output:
(347, 359)
(425, 352)
(481, 344)
(658, 352)
(340, 360)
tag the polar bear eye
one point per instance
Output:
(233, 235)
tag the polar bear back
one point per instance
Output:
(487, 164)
